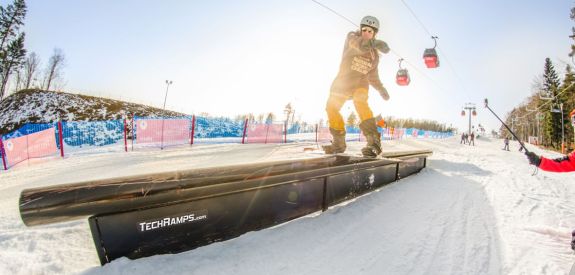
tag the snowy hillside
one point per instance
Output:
(473, 210)
(36, 106)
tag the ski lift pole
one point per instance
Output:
(512, 133)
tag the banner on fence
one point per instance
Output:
(36, 145)
(264, 133)
(163, 132)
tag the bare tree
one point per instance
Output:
(54, 69)
(270, 118)
(31, 65)
(260, 118)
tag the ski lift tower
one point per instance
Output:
(560, 110)
(546, 95)
(538, 118)
(470, 107)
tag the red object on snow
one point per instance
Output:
(566, 164)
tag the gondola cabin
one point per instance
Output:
(402, 77)
(430, 58)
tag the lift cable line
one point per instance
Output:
(391, 50)
(336, 13)
(444, 56)
(551, 100)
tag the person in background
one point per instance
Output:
(561, 165)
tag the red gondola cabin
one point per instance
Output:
(402, 77)
(430, 58)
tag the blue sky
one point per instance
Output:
(232, 57)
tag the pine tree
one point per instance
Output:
(270, 118)
(552, 120)
(12, 52)
(13, 60)
(570, 94)
(567, 97)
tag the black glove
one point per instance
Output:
(533, 158)
(384, 94)
(380, 45)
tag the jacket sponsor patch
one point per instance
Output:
(361, 64)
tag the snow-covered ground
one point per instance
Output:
(473, 210)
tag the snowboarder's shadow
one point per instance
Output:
(457, 167)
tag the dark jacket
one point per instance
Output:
(359, 64)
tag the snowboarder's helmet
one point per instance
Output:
(371, 22)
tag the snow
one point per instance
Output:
(473, 210)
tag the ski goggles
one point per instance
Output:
(368, 30)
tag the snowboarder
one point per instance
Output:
(472, 139)
(506, 143)
(462, 138)
(358, 70)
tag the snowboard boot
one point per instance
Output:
(369, 129)
(338, 143)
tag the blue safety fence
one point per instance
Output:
(179, 130)
(300, 128)
(93, 133)
(209, 128)
(28, 128)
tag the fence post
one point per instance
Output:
(125, 136)
(3, 152)
(162, 137)
(133, 133)
(245, 128)
(316, 134)
(193, 129)
(285, 132)
(61, 137)
(267, 131)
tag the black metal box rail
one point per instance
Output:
(178, 211)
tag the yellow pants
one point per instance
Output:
(336, 101)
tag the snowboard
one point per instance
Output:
(319, 151)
